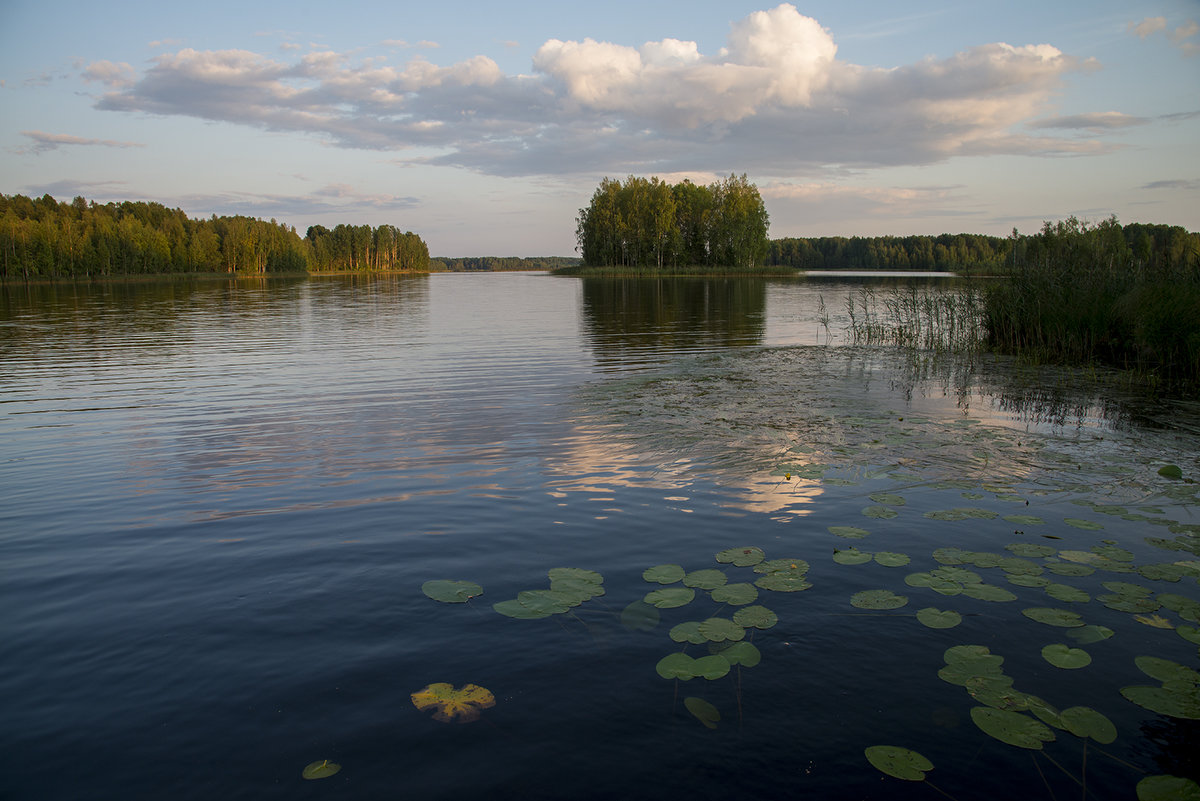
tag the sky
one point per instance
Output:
(484, 127)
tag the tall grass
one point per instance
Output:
(918, 317)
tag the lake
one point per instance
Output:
(690, 538)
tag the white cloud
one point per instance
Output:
(113, 75)
(775, 97)
(1147, 27)
(1180, 37)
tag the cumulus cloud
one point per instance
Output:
(43, 142)
(775, 97)
(113, 75)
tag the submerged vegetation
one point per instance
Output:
(42, 238)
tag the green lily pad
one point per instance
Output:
(890, 559)
(736, 594)
(1127, 588)
(1084, 721)
(688, 632)
(1028, 581)
(937, 619)
(577, 573)
(1012, 727)
(670, 597)
(1070, 569)
(676, 666)
(877, 599)
(703, 711)
(741, 557)
(711, 667)
(718, 629)
(1189, 633)
(758, 617)
(851, 556)
(1171, 471)
(1028, 549)
(1016, 566)
(323, 769)
(1086, 635)
(742, 653)
(548, 601)
(1053, 617)
(663, 574)
(880, 512)
(1129, 603)
(962, 513)
(1175, 702)
(1167, 788)
(959, 575)
(576, 589)
(640, 616)
(987, 592)
(1044, 712)
(451, 592)
(1065, 657)
(898, 762)
(1165, 670)
(705, 579)
(516, 609)
(1067, 593)
(849, 532)
(792, 566)
(783, 582)
(1162, 572)
(1086, 525)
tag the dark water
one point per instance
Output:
(221, 500)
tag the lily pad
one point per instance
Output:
(1086, 635)
(688, 632)
(1171, 471)
(880, 512)
(890, 559)
(670, 597)
(792, 566)
(450, 704)
(1167, 788)
(987, 592)
(1025, 520)
(451, 592)
(849, 532)
(850, 556)
(783, 582)
(741, 557)
(877, 599)
(1054, 617)
(961, 513)
(703, 711)
(591, 576)
(898, 762)
(937, 619)
(1028, 549)
(735, 594)
(711, 667)
(640, 616)
(547, 601)
(705, 579)
(718, 629)
(676, 666)
(323, 769)
(1086, 525)
(1065, 657)
(888, 498)
(514, 608)
(1175, 702)
(1067, 593)
(742, 653)
(663, 574)
(1165, 670)
(576, 589)
(1084, 721)
(1012, 727)
(758, 617)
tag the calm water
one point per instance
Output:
(221, 501)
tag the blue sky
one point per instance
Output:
(484, 126)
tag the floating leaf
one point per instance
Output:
(711, 667)
(676, 666)
(1067, 593)
(450, 704)
(576, 589)
(742, 653)
(1053, 617)
(688, 632)
(898, 762)
(547, 601)
(758, 617)
(1028, 549)
(880, 512)
(718, 629)
(888, 498)
(640, 616)
(1174, 702)
(324, 768)
(793, 566)
(850, 556)
(515, 608)
(705, 579)
(1126, 588)
(451, 592)
(961, 513)
(736, 594)
(1087, 635)
(704, 712)
(1084, 721)
(1167, 788)
(1025, 520)
(1171, 471)
(1086, 525)
(783, 582)
(849, 532)
(877, 599)
(670, 597)
(1012, 727)
(1157, 621)
(1070, 569)
(987, 592)
(741, 557)
(1189, 633)
(889, 559)
(1028, 581)
(663, 574)
(1165, 670)
(575, 573)
(1065, 657)
(937, 619)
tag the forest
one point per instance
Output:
(42, 238)
(495, 264)
(649, 223)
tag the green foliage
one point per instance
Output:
(47, 239)
(647, 223)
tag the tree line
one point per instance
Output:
(644, 222)
(42, 238)
(470, 264)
